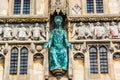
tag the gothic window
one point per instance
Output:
(94, 6)
(93, 60)
(26, 7)
(21, 7)
(90, 6)
(17, 6)
(99, 6)
(23, 60)
(14, 61)
(98, 60)
(103, 60)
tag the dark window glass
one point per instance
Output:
(103, 60)
(23, 60)
(90, 6)
(17, 6)
(26, 7)
(99, 6)
(93, 60)
(14, 61)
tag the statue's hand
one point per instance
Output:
(70, 46)
(46, 45)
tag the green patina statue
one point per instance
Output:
(58, 43)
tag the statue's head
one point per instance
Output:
(58, 20)
(6, 25)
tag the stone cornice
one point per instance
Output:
(23, 19)
(90, 18)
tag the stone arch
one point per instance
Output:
(38, 66)
(116, 63)
(2, 60)
(78, 66)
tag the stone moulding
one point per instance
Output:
(86, 18)
(23, 19)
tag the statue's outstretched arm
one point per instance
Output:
(49, 43)
(66, 41)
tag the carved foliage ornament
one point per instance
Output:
(116, 56)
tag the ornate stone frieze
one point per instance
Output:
(23, 19)
(95, 30)
(22, 32)
(86, 18)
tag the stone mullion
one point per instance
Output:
(94, 4)
(22, 4)
(98, 60)
(18, 68)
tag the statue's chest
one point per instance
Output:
(58, 35)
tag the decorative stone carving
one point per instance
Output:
(2, 58)
(89, 30)
(79, 56)
(58, 5)
(113, 30)
(117, 46)
(5, 50)
(14, 31)
(7, 32)
(38, 56)
(22, 32)
(39, 48)
(116, 55)
(99, 31)
(107, 33)
(38, 32)
(79, 31)
(32, 48)
(76, 8)
(77, 47)
(1, 32)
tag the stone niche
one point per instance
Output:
(38, 66)
(116, 58)
(78, 66)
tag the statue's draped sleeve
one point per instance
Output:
(66, 41)
(49, 43)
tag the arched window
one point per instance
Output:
(14, 61)
(103, 60)
(23, 60)
(93, 60)
(94, 6)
